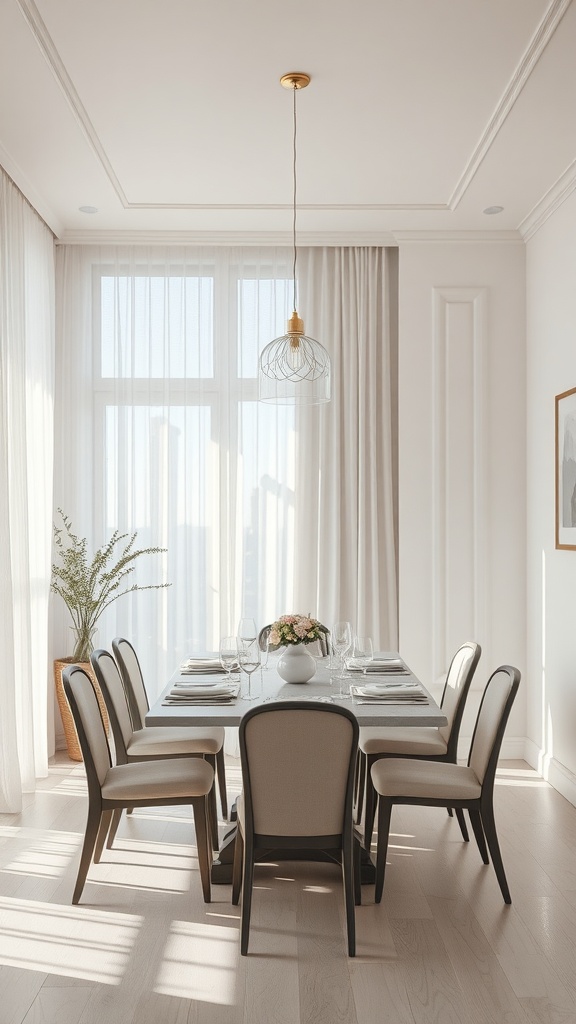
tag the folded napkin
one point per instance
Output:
(202, 666)
(197, 692)
(408, 692)
(380, 669)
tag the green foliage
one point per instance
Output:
(88, 587)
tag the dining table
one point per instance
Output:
(388, 672)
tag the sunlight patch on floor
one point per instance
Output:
(199, 963)
(67, 941)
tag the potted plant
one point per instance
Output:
(88, 586)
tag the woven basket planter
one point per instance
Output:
(72, 743)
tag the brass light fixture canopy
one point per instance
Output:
(295, 80)
(294, 369)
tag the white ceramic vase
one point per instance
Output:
(295, 665)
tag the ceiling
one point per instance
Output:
(167, 116)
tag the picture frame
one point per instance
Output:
(565, 444)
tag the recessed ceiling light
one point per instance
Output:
(493, 209)
(94, 209)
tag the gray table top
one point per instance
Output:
(274, 688)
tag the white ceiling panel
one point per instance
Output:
(168, 116)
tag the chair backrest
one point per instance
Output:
(133, 680)
(108, 675)
(458, 680)
(298, 763)
(89, 726)
(497, 700)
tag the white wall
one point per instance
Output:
(462, 485)
(551, 369)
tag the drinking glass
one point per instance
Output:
(229, 655)
(247, 629)
(249, 659)
(362, 653)
(342, 642)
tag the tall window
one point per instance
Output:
(185, 453)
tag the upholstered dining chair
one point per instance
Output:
(471, 786)
(149, 744)
(298, 763)
(208, 740)
(163, 783)
(432, 744)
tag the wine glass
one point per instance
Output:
(247, 629)
(229, 655)
(249, 659)
(342, 642)
(362, 653)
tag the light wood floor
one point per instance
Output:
(142, 948)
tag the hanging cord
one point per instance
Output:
(294, 199)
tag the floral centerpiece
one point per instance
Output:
(295, 629)
(293, 633)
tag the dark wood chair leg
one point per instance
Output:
(105, 824)
(462, 822)
(489, 825)
(247, 883)
(90, 836)
(384, 815)
(237, 867)
(212, 809)
(369, 805)
(116, 817)
(200, 811)
(476, 822)
(221, 776)
(360, 785)
(357, 852)
(349, 892)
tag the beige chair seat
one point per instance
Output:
(155, 779)
(417, 742)
(398, 776)
(165, 741)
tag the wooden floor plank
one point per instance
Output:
(142, 947)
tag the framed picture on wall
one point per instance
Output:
(566, 470)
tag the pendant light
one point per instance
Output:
(294, 369)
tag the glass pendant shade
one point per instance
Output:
(294, 369)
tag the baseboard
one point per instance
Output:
(552, 770)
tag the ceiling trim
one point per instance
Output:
(50, 53)
(217, 238)
(36, 201)
(557, 194)
(536, 47)
(306, 238)
(543, 34)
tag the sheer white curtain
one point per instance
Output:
(159, 430)
(26, 450)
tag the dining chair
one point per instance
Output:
(210, 739)
(152, 743)
(298, 764)
(432, 744)
(163, 783)
(416, 781)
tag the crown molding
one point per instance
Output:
(217, 238)
(30, 194)
(475, 237)
(536, 47)
(557, 194)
